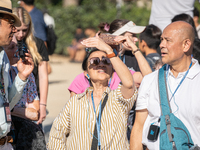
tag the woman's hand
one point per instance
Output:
(98, 43)
(126, 40)
(42, 115)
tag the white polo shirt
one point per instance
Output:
(185, 104)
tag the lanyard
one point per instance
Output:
(180, 81)
(123, 59)
(97, 122)
(11, 76)
(2, 85)
(109, 81)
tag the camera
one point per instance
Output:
(22, 48)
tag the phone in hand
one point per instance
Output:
(22, 47)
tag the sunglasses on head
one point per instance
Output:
(96, 61)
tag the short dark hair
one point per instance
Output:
(151, 35)
(196, 12)
(28, 2)
(196, 49)
(187, 18)
(184, 17)
(89, 52)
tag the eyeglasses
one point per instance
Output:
(11, 21)
(96, 61)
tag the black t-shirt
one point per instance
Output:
(44, 54)
(130, 61)
(152, 58)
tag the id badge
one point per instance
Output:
(7, 112)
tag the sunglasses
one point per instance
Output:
(96, 61)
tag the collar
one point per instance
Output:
(90, 89)
(193, 71)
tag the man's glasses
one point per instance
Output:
(11, 21)
(96, 61)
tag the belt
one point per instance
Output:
(5, 139)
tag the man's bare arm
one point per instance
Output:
(136, 133)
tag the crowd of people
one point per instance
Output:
(138, 89)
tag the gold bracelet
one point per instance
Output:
(133, 52)
(43, 104)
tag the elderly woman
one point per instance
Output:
(97, 118)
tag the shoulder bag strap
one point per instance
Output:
(95, 141)
(164, 102)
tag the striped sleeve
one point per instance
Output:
(60, 129)
(128, 103)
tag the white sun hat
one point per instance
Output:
(129, 27)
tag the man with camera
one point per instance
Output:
(182, 84)
(10, 94)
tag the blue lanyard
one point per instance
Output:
(180, 81)
(110, 81)
(123, 59)
(97, 122)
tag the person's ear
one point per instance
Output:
(86, 75)
(186, 45)
(143, 44)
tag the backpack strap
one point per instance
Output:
(164, 102)
(95, 141)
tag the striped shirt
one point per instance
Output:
(74, 126)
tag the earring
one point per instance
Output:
(88, 77)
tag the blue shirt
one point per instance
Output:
(13, 92)
(38, 23)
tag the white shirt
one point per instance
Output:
(49, 20)
(162, 11)
(185, 105)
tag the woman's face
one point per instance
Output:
(11, 50)
(22, 32)
(101, 72)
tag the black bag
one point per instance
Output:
(51, 39)
(28, 135)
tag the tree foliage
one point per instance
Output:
(88, 14)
